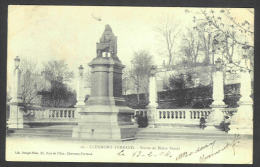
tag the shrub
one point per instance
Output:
(142, 121)
(224, 125)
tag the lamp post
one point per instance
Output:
(80, 87)
(17, 62)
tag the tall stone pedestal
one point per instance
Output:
(15, 120)
(217, 116)
(151, 116)
(102, 122)
(105, 115)
(16, 113)
(153, 104)
(242, 120)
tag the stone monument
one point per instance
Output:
(105, 115)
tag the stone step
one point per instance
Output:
(60, 131)
(180, 133)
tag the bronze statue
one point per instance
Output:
(107, 43)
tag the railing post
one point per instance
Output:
(216, 116)
(152, 106)
(16, 114)
(242, 120)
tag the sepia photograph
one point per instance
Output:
(130, 84)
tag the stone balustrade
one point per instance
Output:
(182, 116)
(50, 114)
(141, 112)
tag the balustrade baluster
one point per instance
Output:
(65, 113)
(194, 114)
(53, 113)
(184, 114)
(69, 113)
(176, 114)
(57, 114)
(164, 115)
(61, 113)
(180, 114)
(172, 114)
(198, 114)
(160, 114)
(73, 114)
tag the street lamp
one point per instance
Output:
(17, 62)
(153, 70)
(246, 63)
(81, 70)
(218, 64)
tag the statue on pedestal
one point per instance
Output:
(105, 115)
(107, 43)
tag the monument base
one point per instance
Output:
(15, 120)
(151, 116)
(99, 122)
(242, 120)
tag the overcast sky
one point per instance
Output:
(43, 33)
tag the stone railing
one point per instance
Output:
(181, 116)
(141, 112)
(50, 115)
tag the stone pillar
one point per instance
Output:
(242, 120)
(153, 104)
(217, 116)
(16, 114)
(80, 87)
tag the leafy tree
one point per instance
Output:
(228, 35)
(59, 95)
(57, 70)
(180, 83)
(140, 72)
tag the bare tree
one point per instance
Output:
(168, 32)
(140, 72)
(191, 47)
(31, 82)
(230, 35)
(126, 78)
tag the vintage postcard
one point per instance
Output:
(130, 84)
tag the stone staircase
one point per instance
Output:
(65, 132)
(181, 133)
(61, 131)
